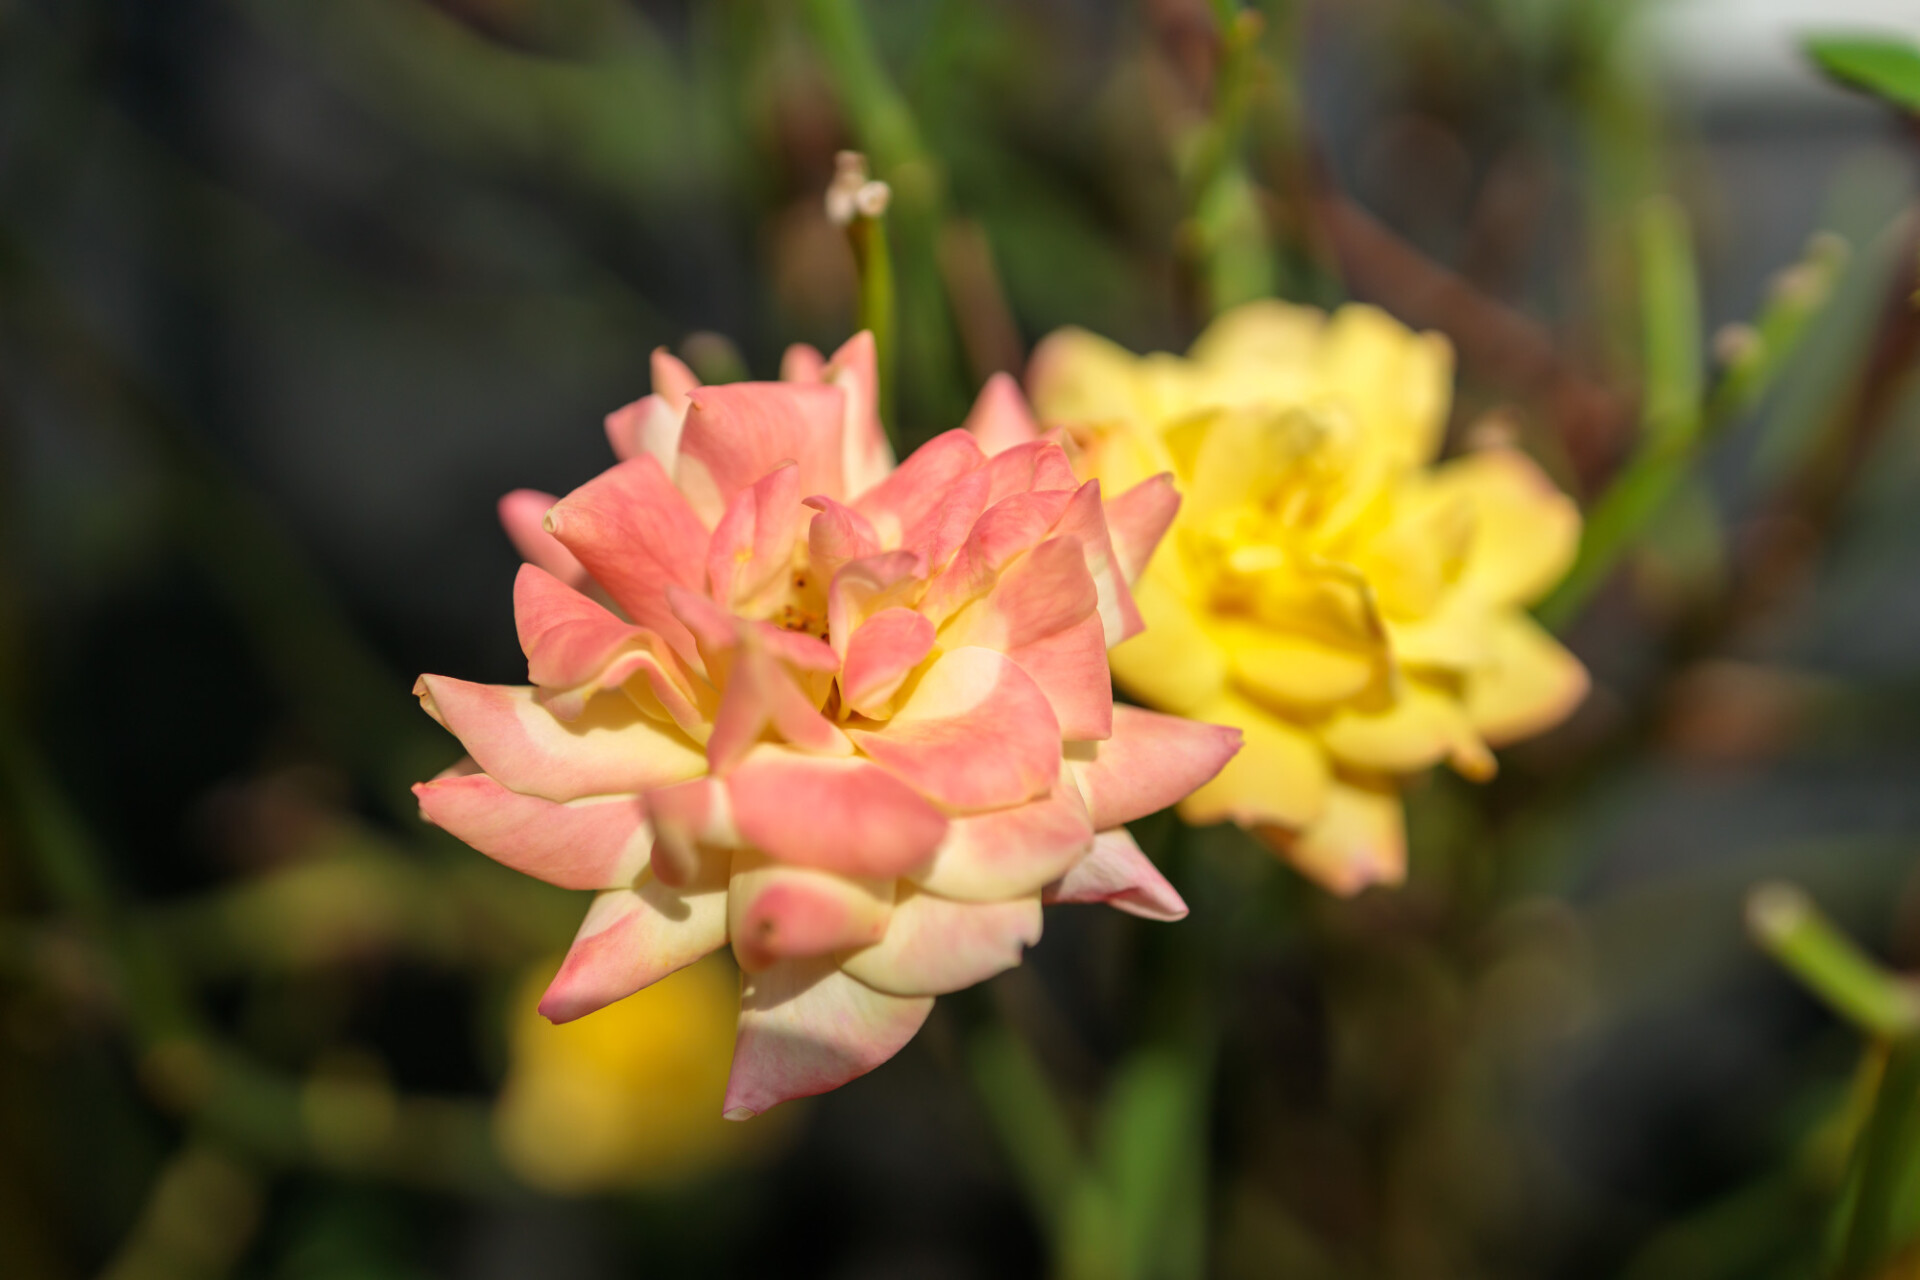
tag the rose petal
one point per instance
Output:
(689, 820)
(1118, 874)
(1359, 839)
(844, 815)
(1086, 520)
(600, 842)
(1009, 853)
(1038, 466)
(1007, 529)
(776, 912)
(760, 693)
(648, 425)
(974, 733)
(868, 586)
(575, 647)
(806, 1027)
(1150, 762)
(611, 748)
(638, 536)
(866, 457)
(632, 938)
(837, 535)
(919, 484)
(752, 547)
(1138, 519)
(737, 433)
(522, 514)
(934, 945)
(1528, 684)
(1280, 775)
(880, 655)
(1000, 418)
(802, 362)
(1423, 726)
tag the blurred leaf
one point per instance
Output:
(1670, 324)
(1886, 66)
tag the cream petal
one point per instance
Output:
(934, 945)
(600, 842)
(1117, 873)
(807, 1027)
(632, 938)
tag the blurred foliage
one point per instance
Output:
(290, 290)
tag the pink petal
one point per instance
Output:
(837, 535)
(631, 939)
(777, 912)
(1038, 466)
(1000, 418)
(752, 548)
(806, 1027)
(648, 425)
(737, 433)
(838, 814)
(881, 654)
(761, 693)
(1138, 519)
(689, 819)
(904, 498)
(1085, 519)
(1118, 874)
(522, 514)
(866, 457)
(1150, 762)
(867, 586)
(597, 843)
(933, 945)
(1006, 529)
(636, 534)
(1042, 614)
(802, 363)
(976, 733)
(610, 749)
(575, 647)
(673, 382)
(1009, 853)
(943, 529)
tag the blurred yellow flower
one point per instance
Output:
(629, 1098)
(1357, 611)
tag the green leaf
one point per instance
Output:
(1885, 66)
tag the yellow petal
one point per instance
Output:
(1174, 664)
(1076, 377)
(1422, 727)
(1261, 352)
(1280, 776)
(1525, 530)
(1360, 839)
(1293, 669)
(1456, 637)
(1528, 684)
(1397, 382)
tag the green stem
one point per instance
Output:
(1886, 1150)
(1028, 1119)
(873, 256)
(1790, 928)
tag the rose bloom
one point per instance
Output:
(1355, 609)
(853, 720)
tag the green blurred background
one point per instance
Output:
(292, 290)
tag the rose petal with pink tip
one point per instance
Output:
(737, 433)
(1118, 874)
(631, 939)
(974, 733)
(1138, 519)
(575, 647)
(838, 814)
(880, 655)
(867, 586)
(1006, 529)
(638, 537)
(777, 912)
(1085, 519)
(1000, 418)
(689, 819)
(1039, 466)
(752, 547)
(601, 842)
(902, 500)
(523, 514)
(838, 535)
(1151, 761)
(933, 945)
(611, 748)
(1009, 853)
(807, 1027)
(866, 456)
(761, 693)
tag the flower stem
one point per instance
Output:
(1790, 928)
(873, 258)
(1886, 1149)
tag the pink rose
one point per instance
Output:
(853, 719)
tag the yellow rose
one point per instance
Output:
(627, 1098)
(1356, 610)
